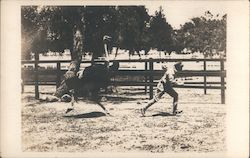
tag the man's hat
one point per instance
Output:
(178, 66)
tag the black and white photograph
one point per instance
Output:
(144, 78)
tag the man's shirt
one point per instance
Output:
(168, 79)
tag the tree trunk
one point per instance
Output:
(70, 76)
(76, 55)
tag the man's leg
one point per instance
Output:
(173, 94)
(152, 101)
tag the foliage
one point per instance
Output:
(131, 26)
(49, 28)
(33, 34)
(202, 34)
(61, 24)
(99, 22)
(161, 32)
(81, 29)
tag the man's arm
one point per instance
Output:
(178, 81)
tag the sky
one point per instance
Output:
(179, 12)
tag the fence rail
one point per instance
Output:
(38, 76)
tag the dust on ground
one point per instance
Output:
(200, 128)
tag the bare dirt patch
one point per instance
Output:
(200, 128)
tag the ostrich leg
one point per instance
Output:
(116, 51)
(102, 106)
(96, 99)
(73, 100)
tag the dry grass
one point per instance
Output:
(200, 128)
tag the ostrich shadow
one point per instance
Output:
(87, 115)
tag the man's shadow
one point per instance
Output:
(87, 115)
(164, 114)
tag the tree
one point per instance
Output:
(203, 34)
(178, 41)
(52, 28)
(131, 27)
(32, 32)
(65, 26)
(99, 22)
(161, 32)
(82, 28)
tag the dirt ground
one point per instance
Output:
(200, 128)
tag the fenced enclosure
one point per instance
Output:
(143, 72)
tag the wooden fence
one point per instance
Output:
(147, 76)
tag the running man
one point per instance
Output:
(165, 85)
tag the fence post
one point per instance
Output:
(151, 69)
(205, 76)
(22, 86)
(106, 63)
(222, 82)
(58, 74)
(36, 76)
(146, 77)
